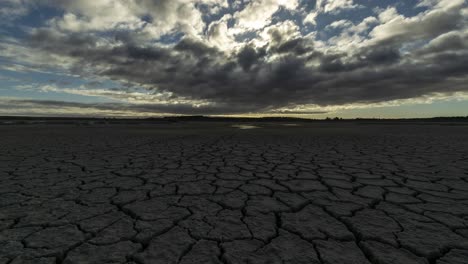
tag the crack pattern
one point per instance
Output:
(309, 194)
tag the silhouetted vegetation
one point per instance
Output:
(200, 118)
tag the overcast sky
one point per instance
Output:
(348, 58)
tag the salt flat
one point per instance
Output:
(211, 192)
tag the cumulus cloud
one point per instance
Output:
(336, 5)
(329, 6)
(258, 13)
(245, 57)
(343, 23)
(426, 25)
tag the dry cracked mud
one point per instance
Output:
(211, 193)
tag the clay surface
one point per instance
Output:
(350, 193)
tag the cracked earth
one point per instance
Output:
(211, 193)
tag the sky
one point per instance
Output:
(307, 58)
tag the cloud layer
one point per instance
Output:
(219, 56)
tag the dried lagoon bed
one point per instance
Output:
(208, 192)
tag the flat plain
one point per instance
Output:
(211, 192)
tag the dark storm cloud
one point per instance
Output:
(249, 56)
(287, 71)
(296, 46)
